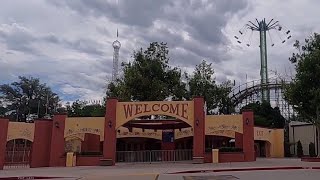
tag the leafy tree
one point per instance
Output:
(202, 83)
(83, 109)
(312, 150)
(299, 149)
(3, 110)
(149, 77)
(266, 116)
(224, 101)
(28, 96)
(304, 90)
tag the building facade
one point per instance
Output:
(305, 133)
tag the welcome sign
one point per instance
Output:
(182, 110)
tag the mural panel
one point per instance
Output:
(223, 124)
(123, 132)
(20, 130)
(81, 125)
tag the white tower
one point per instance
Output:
(116, 46)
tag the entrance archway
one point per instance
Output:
(120, 113)
(18, 153)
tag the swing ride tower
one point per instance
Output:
(263, 28)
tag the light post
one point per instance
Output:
(47, 104)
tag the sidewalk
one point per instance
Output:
(150, 171)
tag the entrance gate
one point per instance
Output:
(154, 156)
(18, 153)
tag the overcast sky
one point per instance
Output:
(67, 43)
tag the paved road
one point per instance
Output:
(162, 171)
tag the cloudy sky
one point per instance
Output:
(67, 43)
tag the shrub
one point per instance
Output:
(299, 149)
(312, 150)
(230, 149)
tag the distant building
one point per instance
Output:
(305, 133)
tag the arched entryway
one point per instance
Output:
(127, 114)
(262, 148)
(84, 144)
(137, 149)
(18, 153)
(138, 144)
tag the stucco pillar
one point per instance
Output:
(110, 136)
(199, 130)
(40, 154)
(57, 140)
(248, 136)
(238, 140)
(3, 140)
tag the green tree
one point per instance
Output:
(224, 101)
(202, 83)
(28, 96)
(312, 150)
(83, 109)
(265, 115)
(299, 149)
(304, 90)
(149, 77)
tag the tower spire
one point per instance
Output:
(116, 48)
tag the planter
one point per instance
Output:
(231, 157)
(310, 159)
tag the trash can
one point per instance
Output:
(70, 159)
(215, 155)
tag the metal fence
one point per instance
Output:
(17, 158)
(154, 156)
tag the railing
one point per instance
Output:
(17, 158)
(154, 156)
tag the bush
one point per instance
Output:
(299, 149)
(89, 153)
(312, 150)
(230, 149)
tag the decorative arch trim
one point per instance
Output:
(123, 132)
(183, 110)
(20, 130)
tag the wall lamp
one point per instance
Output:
(57, 125)
(247, 121)
(197, 122)
(110, 124)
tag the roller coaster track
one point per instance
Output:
(242, 92)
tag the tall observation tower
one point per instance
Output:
(116, 48)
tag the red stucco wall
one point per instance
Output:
(57, 140)
(3, 140)
(40, 153)
(88, 161)
(231, 157)
(199, 129)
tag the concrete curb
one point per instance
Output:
(246, 169)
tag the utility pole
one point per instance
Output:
(47, 104)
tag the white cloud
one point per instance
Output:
(67, 44)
